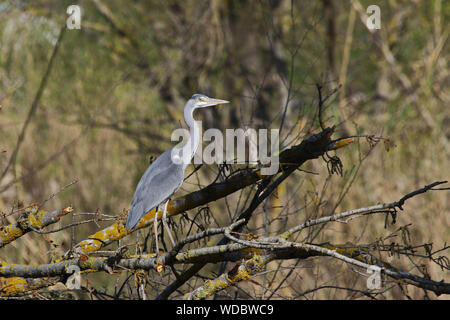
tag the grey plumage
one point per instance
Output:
(161, 172)
(164, 176)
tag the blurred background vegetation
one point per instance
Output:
(118, 85)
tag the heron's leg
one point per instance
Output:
(164, 220)
(155, 225)
(138, 234)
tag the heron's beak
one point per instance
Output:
(213, 102)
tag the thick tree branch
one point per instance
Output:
(292, 158)
(36, 219)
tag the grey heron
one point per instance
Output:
(166, 174)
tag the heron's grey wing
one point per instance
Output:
(161, 179)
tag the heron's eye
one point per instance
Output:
(201, 99)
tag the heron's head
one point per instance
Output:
(202, 101)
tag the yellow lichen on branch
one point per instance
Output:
(115, 232)
(239, 273)
(342, 143)
(35, 219)
(9, 233)
(16, 286)
(13, 231)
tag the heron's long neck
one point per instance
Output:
(194, 136)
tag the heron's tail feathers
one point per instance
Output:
(132, 219)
